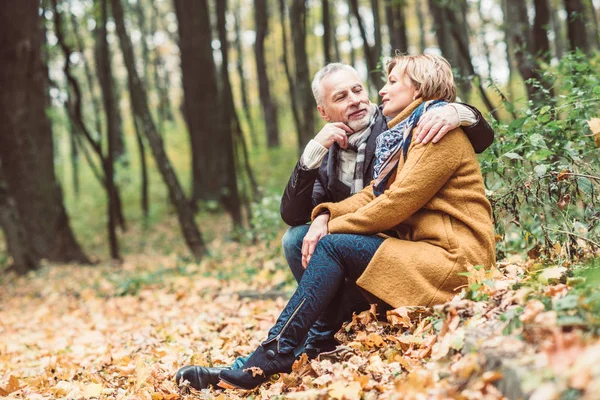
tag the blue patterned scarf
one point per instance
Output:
(390, 142)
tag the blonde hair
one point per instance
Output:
(431, 75)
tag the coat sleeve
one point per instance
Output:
(346, 206)
(480, 134)
(426, 171)
(303, 191)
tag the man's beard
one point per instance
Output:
(358, 125)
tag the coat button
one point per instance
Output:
(270, 354)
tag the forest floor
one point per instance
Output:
(521, 330)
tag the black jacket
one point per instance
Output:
(307, 188)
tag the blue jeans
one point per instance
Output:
(349, 298)
(326, 293)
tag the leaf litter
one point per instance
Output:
(518, 330)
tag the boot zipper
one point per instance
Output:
(286, 325)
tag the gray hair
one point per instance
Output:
(316, 86)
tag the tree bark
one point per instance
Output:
(241, 72)
(371, 55)
(17, 242)
(326, 30)
(231, 197)
(396, 22)
(140, 108)
(576, 30)
(541, 23)
(447, 38)
(557, 27)
(200, 91)
(108, 97)
(421, 19)
(516, 18)
(288, 73)
(26, 146)
(261, 19)
(302, 80)
(106, 81)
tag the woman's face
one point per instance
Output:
(397, 93)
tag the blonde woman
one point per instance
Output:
(405, 238)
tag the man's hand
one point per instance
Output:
(434, 124)
(317, 230)
(334, 132)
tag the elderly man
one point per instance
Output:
(337, 163)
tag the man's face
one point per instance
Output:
(345, 100)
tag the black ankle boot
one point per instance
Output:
(267, 359)
(199, 377)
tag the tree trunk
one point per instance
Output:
(333, 28)
(351, 40)
(161, 78)
(541, 23)
(447, 40)
(140, 108)
(108, 97)
(26, 146)
(377, 48)
(288, 73)
(17, 242)
(303, 91)
(396, 22)
(421, 19)
(261, 19)
(106, 81)
(241, 72)
(228, 118)
(370, 53)
(576, 21)
(326, 31)
(557, 27)
(519, 34)
(89, 73)
(200, 92)
(593, 28)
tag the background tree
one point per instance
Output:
(305, 101)
(26, 148)
(139, 99)
(199, 81)
(261, 24)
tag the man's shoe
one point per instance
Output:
(199, 377)
(313, 349)
(263, 363)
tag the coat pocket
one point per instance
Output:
(449, 230)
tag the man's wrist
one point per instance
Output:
(313, 155)
(466, 116)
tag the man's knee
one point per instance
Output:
(292, 239)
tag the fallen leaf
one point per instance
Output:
(255, 371)
(345, 391)
(594, 125)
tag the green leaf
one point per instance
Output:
(513, 156)
(540, 170)
(537, 140)
(568, 302)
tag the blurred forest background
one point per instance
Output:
(152, 126)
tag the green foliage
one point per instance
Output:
(542, 171)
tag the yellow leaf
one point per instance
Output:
(594, 124)
(92, 390)
(342, 390)
(551, 274)
(12, 386)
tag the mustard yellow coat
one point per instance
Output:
(436, 203)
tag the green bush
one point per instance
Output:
(542, 172)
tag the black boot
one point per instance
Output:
(199, 377)
(267, 359)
